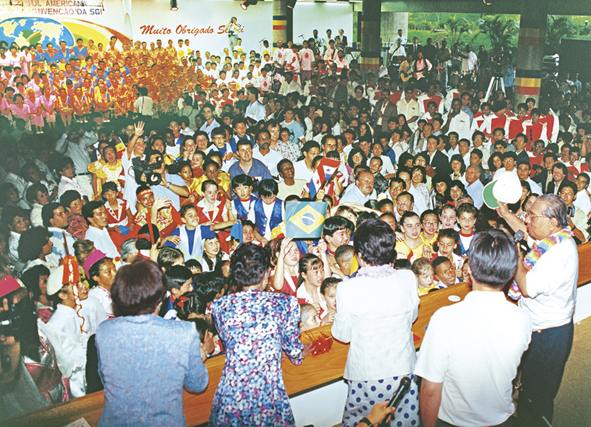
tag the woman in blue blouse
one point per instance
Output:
(144, 360)
(255, 327)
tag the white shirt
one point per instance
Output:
(582, 201)
(536, 189)
(144, 106)
(36, 219)
(378, 330)
(460, 124)
(270, 159)
(102, 241)
(302, 171)
(420, 203)
(70, 343)
(552, 286)
(68, 184)
(475, 191)
(409, 109)
(477, 360)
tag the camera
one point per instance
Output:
(143, 167)
(20, 320)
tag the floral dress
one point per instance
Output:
(255, 327)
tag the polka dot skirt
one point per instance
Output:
(363, 395)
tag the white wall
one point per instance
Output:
(206, 16)
(322, 16)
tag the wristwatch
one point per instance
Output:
(366, 422)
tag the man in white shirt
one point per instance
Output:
(255, 109)
(265, 154)
(303, 168)
(469, 60)
(306, 59)
(548, 289)
(96, 215)
(582, 200)
(523, 172)
(474, 187)
(264, 81)
(362, 190)
(468, 367)
(409, 107)
(289, 85)
(279, 56)
(56, 220)
(457, 120)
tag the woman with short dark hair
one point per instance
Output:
(376, 309)
(145, 360)
(255, 326)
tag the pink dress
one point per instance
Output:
(36, 109)
(21, 113)
(50, 105)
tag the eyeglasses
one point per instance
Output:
(532, 216)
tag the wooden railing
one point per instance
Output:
(313, 372)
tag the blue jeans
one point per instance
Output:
(542, 367)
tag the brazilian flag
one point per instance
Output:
(304, 219)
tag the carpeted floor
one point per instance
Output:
(573, 403)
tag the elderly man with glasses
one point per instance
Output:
(547, 281)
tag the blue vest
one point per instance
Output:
(260, 218)
(240, 210)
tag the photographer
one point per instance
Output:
(29, 376)
(164, 185)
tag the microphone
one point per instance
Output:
(400, 392)
(518, 236)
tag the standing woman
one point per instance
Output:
(382, 350)
(140, 353)
(255, 326)
(233, 29)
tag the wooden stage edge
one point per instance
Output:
(314, 372)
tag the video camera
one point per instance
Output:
(20, 320)
(144, 168)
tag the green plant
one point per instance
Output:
(558, 28)
(501, 31)
(457, 26)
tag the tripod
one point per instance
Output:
(497, 83)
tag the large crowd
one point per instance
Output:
(120, 158)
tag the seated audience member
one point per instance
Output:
(445, 272)
(424, 271)
(35, 248)
(210, 286)
(336, 232)
(37, 196)
(71, 200)
(268, 210)
(55, 219)
(309, 318)
(412, 245)
(179, 281)
(289, 184)
(466, 219)
(128, 362)
(285, 276)
(96, 216)
(328, 289)
(100, 272)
